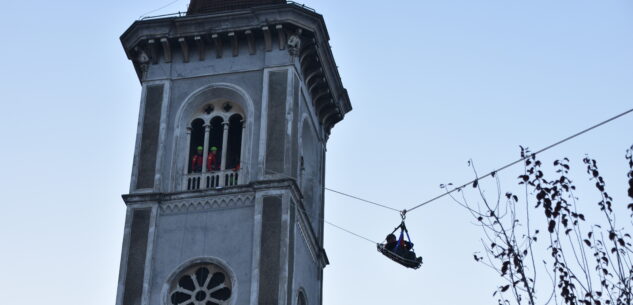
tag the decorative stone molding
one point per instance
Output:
(294, 43)
(295, 28)
(210, 203)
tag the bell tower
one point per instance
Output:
(226, 194)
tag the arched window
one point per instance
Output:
(301, 298)
(215, 146)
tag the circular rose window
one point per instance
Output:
(201, 285)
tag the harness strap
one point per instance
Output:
(396, 229)
(409, 238)
(399, 240)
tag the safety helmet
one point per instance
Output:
(213, 148)
(200, 148)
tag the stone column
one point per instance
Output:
(205, 152)
(187, 162)
(240, 176)
(225, 139)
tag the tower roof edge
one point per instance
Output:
(211, 6)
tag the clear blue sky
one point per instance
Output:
(433, 84)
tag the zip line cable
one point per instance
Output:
(332, 224)
(323, 218)
(522, 159)
(338, 192)
(478, 178)
(465, 184)
(403, 212)
(350, 232)
(361, 199)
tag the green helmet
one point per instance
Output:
(213, 148)
(200, 148)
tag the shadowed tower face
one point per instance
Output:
(226, 194)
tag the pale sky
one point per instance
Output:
(432, 83)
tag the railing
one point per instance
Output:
(211, 180)
(301, 5)
(183, 14)
(178, 14)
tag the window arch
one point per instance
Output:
(301, 298)
(215, 135)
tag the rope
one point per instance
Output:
(361, 199)
(523, 159)
(350, 232)
(323, 218)
(338, 192)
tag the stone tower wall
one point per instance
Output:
(262, 225)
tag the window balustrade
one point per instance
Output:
(211, 180)
(215, 140)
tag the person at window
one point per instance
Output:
(212, 159)
(196, 161)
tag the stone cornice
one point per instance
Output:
(229, 197)
(224, 22)
(154, 41)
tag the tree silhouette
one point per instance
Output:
(587, 260)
